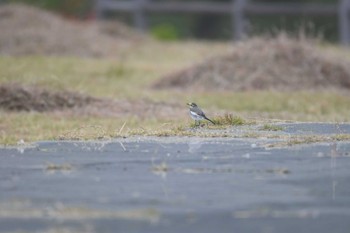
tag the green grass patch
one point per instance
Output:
(228, 120)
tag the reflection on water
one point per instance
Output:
(194, 145)
(337, 150)
(334, 154)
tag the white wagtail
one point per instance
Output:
(197, 114)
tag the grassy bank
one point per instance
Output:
(128, 77)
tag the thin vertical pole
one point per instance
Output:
(238, 19)
(140, 19)
(98, 8)
(344, 24)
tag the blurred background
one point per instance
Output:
(211, 20)
(108, 62)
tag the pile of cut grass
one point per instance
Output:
(15, 97)
(280, 63)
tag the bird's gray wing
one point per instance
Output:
(198, 111)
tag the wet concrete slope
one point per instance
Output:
(175, 185)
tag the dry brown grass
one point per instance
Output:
(15, 97)
(280, 63)
(120, 102)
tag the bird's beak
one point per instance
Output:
(189, 104)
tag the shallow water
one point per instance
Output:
(175, 185)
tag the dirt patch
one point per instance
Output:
(15, 97)
(281, 63)
(27, 30)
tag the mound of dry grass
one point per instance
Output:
(281, 63)
(27, 30)
(14, 97)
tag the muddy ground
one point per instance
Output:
(179, 184)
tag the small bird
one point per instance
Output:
(197, 114)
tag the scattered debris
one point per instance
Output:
(59, 167)
(163, 167)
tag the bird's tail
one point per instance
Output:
(210, 120)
